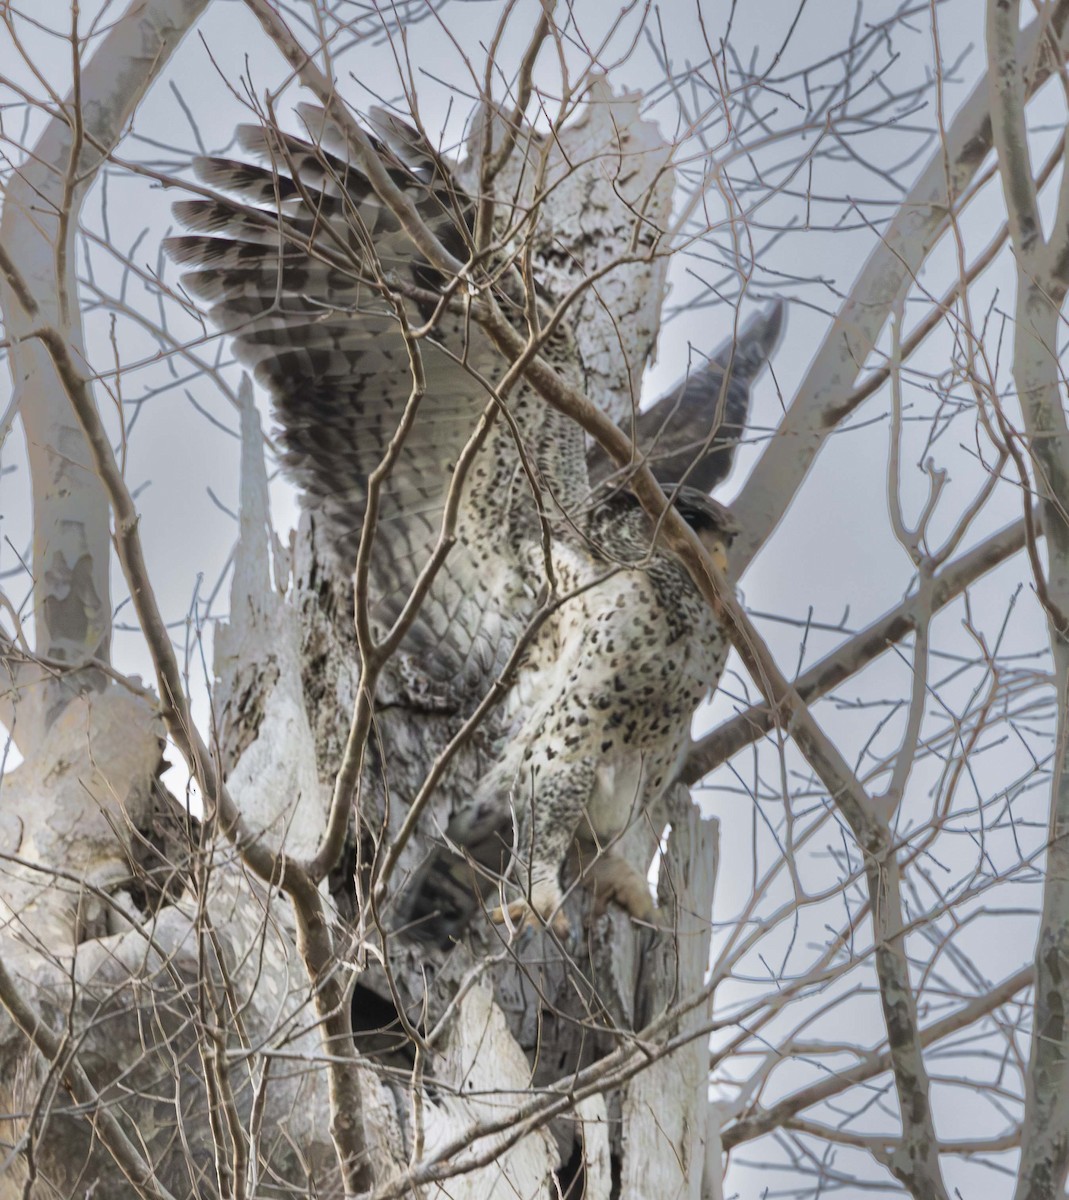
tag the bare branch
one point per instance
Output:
(873, 1063)
(106, 1125)
(825, 399)
(855, 653)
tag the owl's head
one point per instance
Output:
(619, 522)
(710, 520)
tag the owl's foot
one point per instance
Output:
(613, 880)
(542, 907)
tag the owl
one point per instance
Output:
(492, 537)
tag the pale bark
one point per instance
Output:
(72, 811)
(1045, 1147)
(618, 202)
(1042, 283)
(38, 228)
(81, 954)
(665, 1144)
(258, 693)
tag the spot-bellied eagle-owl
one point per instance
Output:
(314, 278)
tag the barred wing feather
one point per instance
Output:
(304, 267)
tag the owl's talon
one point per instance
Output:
(614, 881)
(539, 911)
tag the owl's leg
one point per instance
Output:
(547, 829)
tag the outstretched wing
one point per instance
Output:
(313, 277)
(692, 432)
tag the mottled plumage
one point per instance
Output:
(308, 272)
(600, 713)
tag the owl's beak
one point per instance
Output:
(717, 551)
